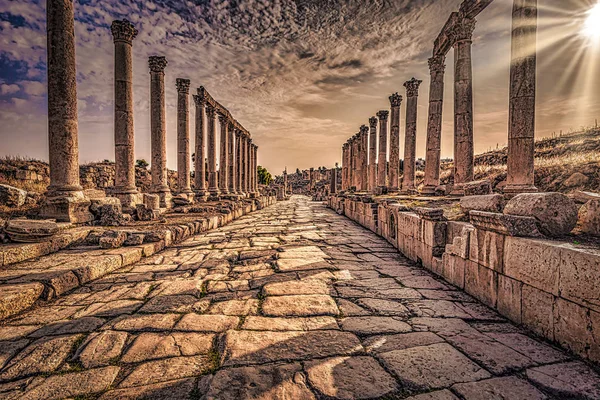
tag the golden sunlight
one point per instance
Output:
(591, 27)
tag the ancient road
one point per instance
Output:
(291, 302)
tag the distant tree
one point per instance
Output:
(264, 176)
(141, 163)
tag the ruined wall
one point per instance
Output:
(549, 287)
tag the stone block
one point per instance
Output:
(454, 270)
(534, 262)
(19, 297)
(75, 210)
(555, 213)
(571, 324)
(482, 283)
(432, 214)
(510, 225)
(580, 276)
(30, 231)
(589, 218)
(477, 188)
(152, 201)
(146, 214)
(536, 311)
(97, 202)
(487, 248)
(112, 239)
(433, 233)
(11, 196)
(488, 202)
(509, 298)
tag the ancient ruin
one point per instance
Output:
(384, 277)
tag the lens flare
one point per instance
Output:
(591, 27)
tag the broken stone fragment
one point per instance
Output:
(589, 218)
(11, 196)
(97, 203)
(488, 202)
(112, 215)
(431, 214)
(112, 239)
(134, 239)
(31, 231)
(478, 188)
(152, 201)
(146, 214)
(555, 213)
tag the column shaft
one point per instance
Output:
(521, 125)
(434, 125)
(239, 163)
(183, 136)
(247, 165)
(231, 159)
(372, 154)
(382, 159)
(200, 166)
(224, 156)
(158, 129)
(394, 172)
(410, 142)
(364, 155)
(213, 179)
(332, 184)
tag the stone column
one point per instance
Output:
(255, 169)
(311, 174)
(463, 105)
(123, 34)
(158, 129)
(213, 179)
(65, 199)
(231, 159)
(333, 183)
(410, 141)
(382, 159)
(244, 165)
(239, 162)
(183, 136)
(372, 154)
(224, 156)
(200, 166)
(521, 124)
(345, 166)
(285, 182)
(248, 166)
(364, 154)
(394, 172)
(434, 125)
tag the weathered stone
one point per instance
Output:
(303, 287)
(171, 390)
(97, 203)
(384, 307)
(509, 387)
(77, 325)
(207, 323)
(148, 346)
(582, 197)
(374, 325)
(147, 322)
(576, 180)
(235, 307)
(430, 214)
(478, 188)
(289, 324)
(589, 218)
(431, 367)
(112, 215)
(436, 395)
(283, 381)
(299, 306)
(490, 203)
(151, 201)
(511, 225)
(386, 343)
(134, 239)
(30, 231)
(573, 380)
(555, 213)
(112, 239)
(183, 303)
(167, 370)
(146, 214)
(19, 297)
(11, 196)
(254, 347)
(101, 348)
(350, 377)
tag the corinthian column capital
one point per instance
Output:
(123, 31)
(383, 114)
(412, 87)
(463, 30)
(373, 122)
(183, 85)
(157, 64)
(395, 100)
(437, 64)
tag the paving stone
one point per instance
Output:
(80, 325)
(16, 332)
(184, 303)
(438, 309)
(289, 324)
(436, 395)
(43, 355)
(303, 287)
(432, 367)
(385, 343)
(167, 370)
(148, 346)
(45, 315)
(350, 377)
(9, 349)
(384, 307)
(144, 322)
(374, 325)
(282, 381)
(110, 309)
(72, 385)
(571, 380)
(301, 264)
(509, 387)
(259, 347)
(228, 286)
(19, 297)
(235, 307)
(538, 352)
(101, 348)
(171, 390)
(299, 306)
(348, 308)
(207, 323)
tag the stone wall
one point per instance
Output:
(549, 287)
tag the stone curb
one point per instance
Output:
(22, 293)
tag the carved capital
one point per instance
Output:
(412, 87)
(222, 118)
(183, 85)
(437, 64)
(463, 30)
(395, 100)
(157, 64)
(123, 31)
(364, 129)
(383, 114)
(198, 100)
(210, 111)
(373, 122)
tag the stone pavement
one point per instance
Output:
(291, 302)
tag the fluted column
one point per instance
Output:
(521, 124)
(123, 34)
(382, 159)
(200, 166)
(183, 136)
(213, 179)
(224, 156)
(463, 105)
(248, 165)
(231, 159)
(410, 139)
(394, 172)
(364, 154)
(372, 154)
(158, 129)
(65, 199)
(239, 160)
(434, 124)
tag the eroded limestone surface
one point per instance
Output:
(291, 302)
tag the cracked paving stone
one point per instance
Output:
(273, 382)
(101, 348)
(436, 395)
(235, 307)
(260, 347)
(386, 343)
(166, 370)
(16, 332)
(303, 287)
(9, 349)
(171, 390)
(299, 306)
(572, 380)
(384, 307)
(432, 367)
(374, 325)
(509, 387)
(81, 325)
(350, 377)
(148, 346)
(350, 309)
(175, 304)
(207, 323)
(144, 322)
(289, 324)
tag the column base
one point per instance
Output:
(458, 190)
(428, 190)
(165, 197)
(200, 196)
(511, 191)
(129, 200)
(74, 208)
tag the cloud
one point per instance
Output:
(9, 89)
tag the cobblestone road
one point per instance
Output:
(291, 302)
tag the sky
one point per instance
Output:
(300, 75)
